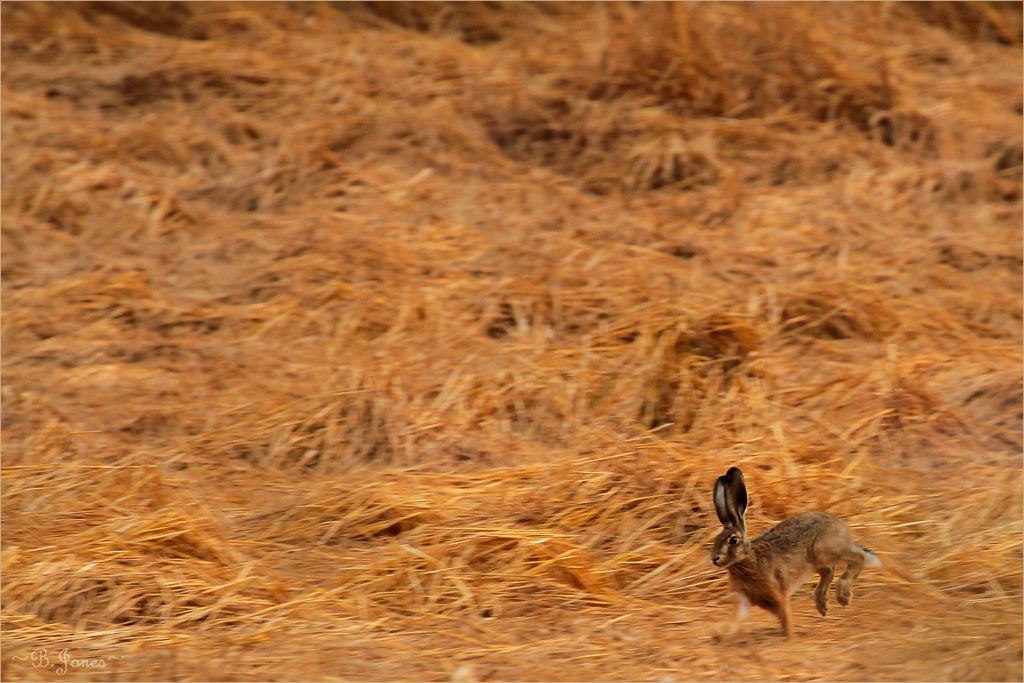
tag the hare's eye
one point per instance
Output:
(733, 540)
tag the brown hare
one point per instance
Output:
(767, 570)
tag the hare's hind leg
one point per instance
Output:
(821, 590)
(854, 563)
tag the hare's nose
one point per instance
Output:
(714, 560)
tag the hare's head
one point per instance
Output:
(730, 495)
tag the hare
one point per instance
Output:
(767, 570)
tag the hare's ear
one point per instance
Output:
(721, 509)
(735, 493)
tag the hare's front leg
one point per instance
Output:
(742, 604)
(782, 612)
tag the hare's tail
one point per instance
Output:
(871, 560)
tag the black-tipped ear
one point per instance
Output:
(735, 496)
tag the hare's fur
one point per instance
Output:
(767, 570)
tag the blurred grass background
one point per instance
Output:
(404, 341)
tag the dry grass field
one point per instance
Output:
(402, 341)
